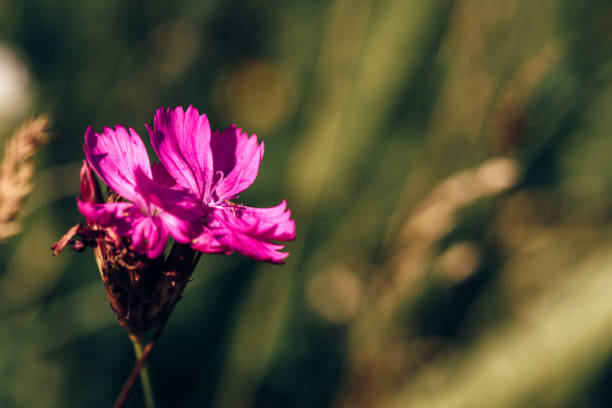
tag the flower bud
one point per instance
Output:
(90, 189)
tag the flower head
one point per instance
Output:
(188, 197)
(215, 167)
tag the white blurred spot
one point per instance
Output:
(15, 86)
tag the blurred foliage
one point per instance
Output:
(447, 164)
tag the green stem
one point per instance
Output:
(147, 390)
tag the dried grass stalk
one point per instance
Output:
(17, 171)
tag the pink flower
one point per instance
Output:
(215, 167)
(152, 212)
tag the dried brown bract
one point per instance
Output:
(142, 291)
(17, 171)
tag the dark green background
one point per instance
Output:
(365, 107)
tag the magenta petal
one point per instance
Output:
(116, 215)
(182, 143)
(258, 250)
(161, 175)
(272, 223)
(178, 202)
(237, 156)
(180, 229)
(149, 237)
(227, 241)
(208, 241)
(115, 155)
(228, 233)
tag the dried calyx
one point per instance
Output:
(142, 291)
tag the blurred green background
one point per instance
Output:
(448, 165)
